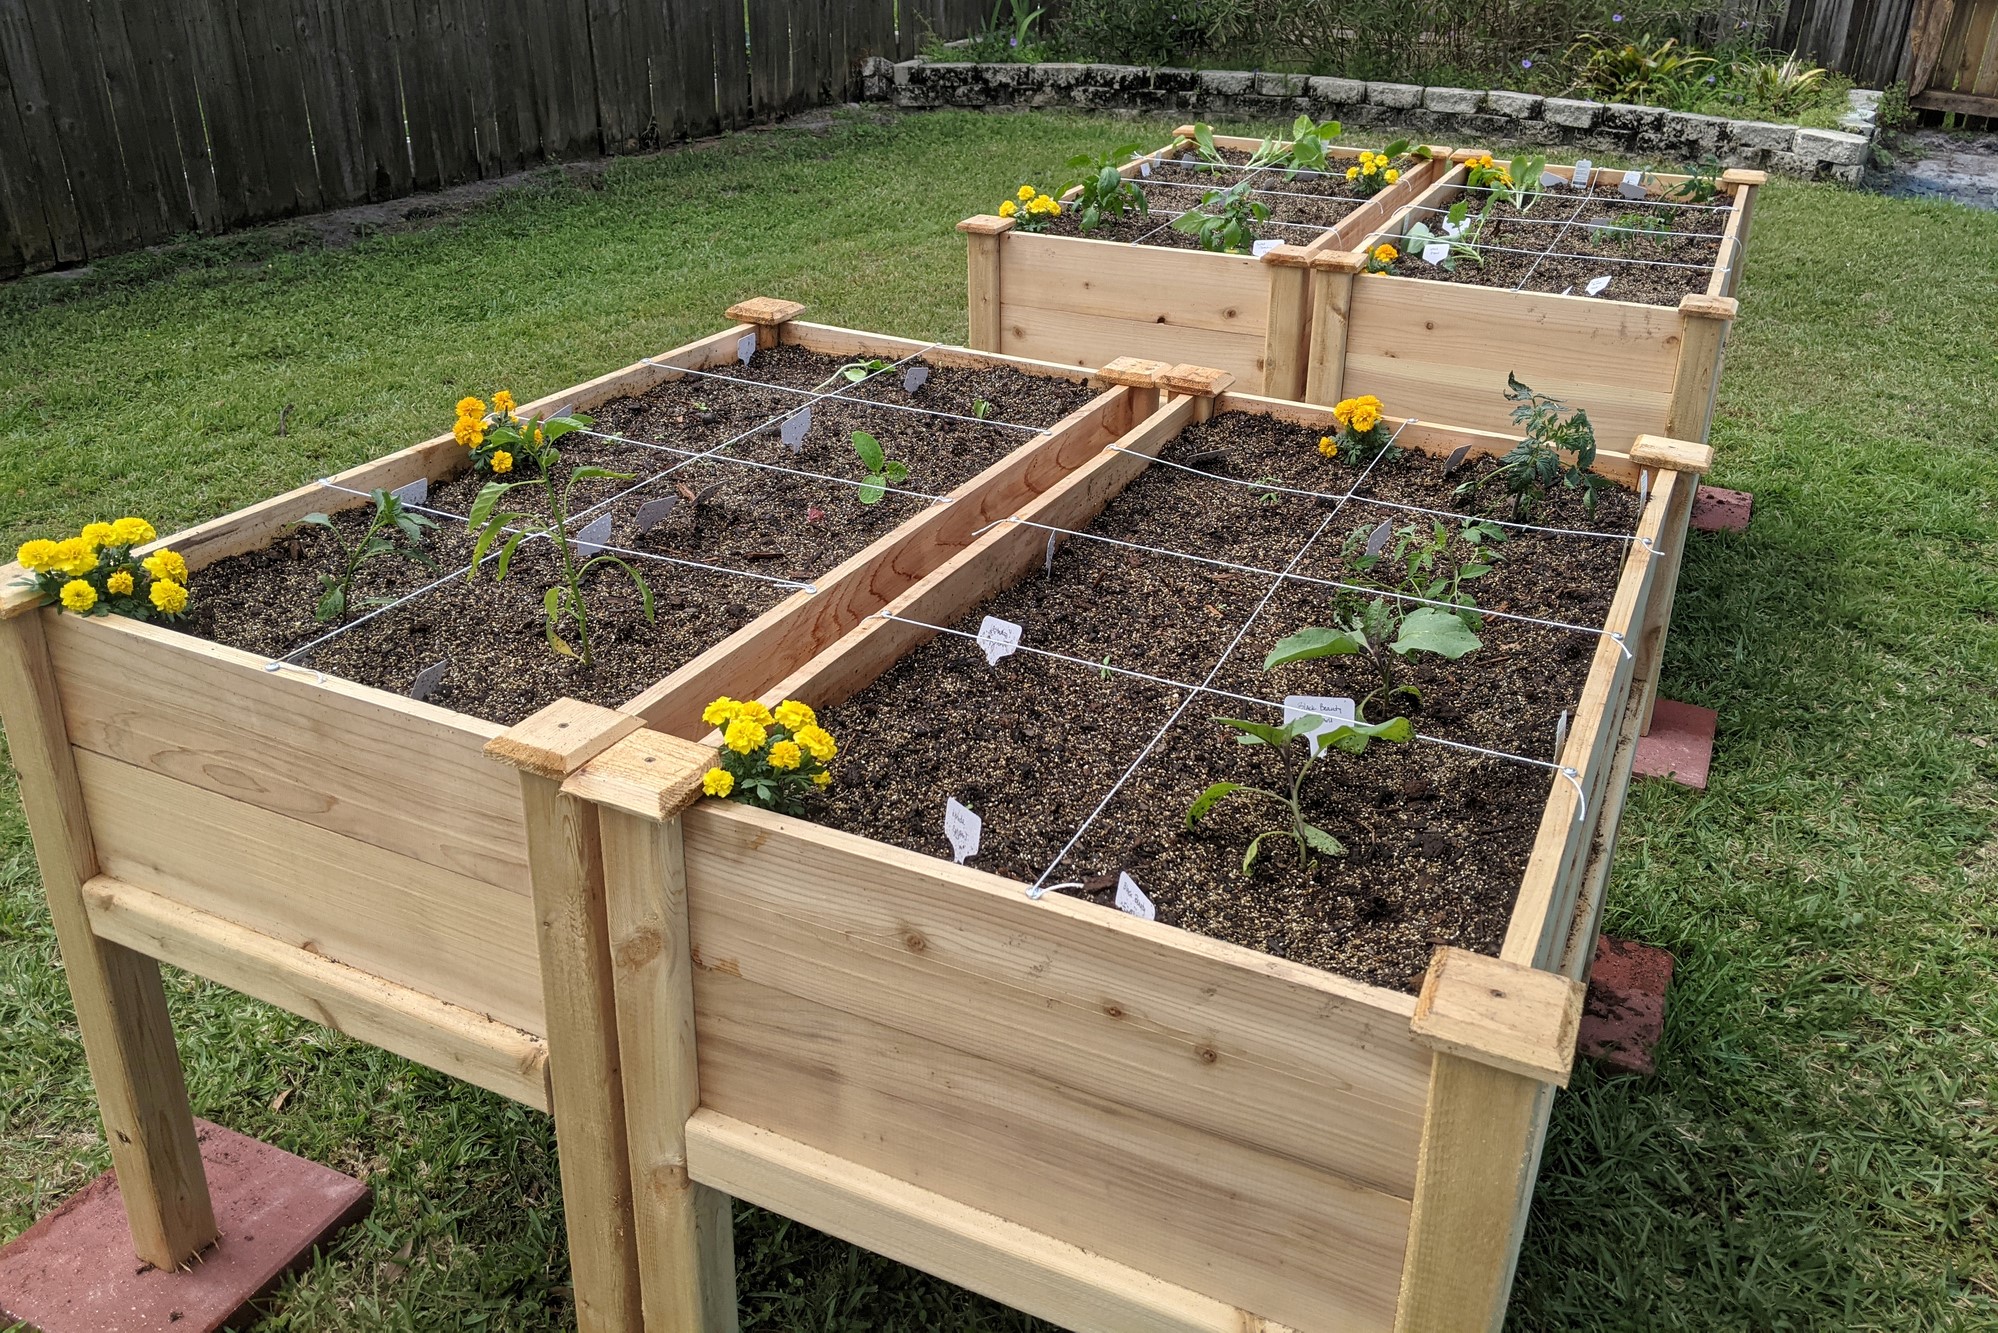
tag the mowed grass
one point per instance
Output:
(1817, 1150)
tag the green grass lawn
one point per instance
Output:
(1817, 1150)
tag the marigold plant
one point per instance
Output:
(769, 758)
(1381, 258)
(496, 436)
(95, 573)
(1481, 171)
(1363, 431)
(1030, 209)
(1373, 172)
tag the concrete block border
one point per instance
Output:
(1463, 117)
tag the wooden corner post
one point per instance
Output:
(985, 233)
(120, 1004)
(565, 865)
(1202, 383)
(1703, 325)
(1331, 312)
(1691, 460)
(686, 1246)
(1141, 378)
(1503, 1038)
(1286, 340)
(1745, 183)
(768, 314)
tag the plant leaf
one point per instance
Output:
(872, 489)
(333, 604)
(896, 471)
(1314, 642)
(1249, 857)
(506, 555)
(1430, 629)
(1208, 799)
(1320, 840)
(1259, 733)
(1354, 737)
(638, 580)
(869, 449)
(317, 520)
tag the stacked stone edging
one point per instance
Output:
(1463, 117)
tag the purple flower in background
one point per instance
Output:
(1014, 42)
(1526, 64)
(1616, 18)
(1710, 78)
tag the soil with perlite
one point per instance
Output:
(1436, 839)
(757, 526)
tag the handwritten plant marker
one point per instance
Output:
(1595, 286)
(1132, 899)
(653, 512)
(1435, 253)
(1378, 542)
(1632, 186)
(428, 679)
(963, 827)
(707, 492)
(1145, 168)
(1261, 248)
(1643, 487)
(1560, 733)
(795, 428)
(915, 378)
(414, 493)
(1584, 171)
(999, 638)
(1048, 563)
(745, 348)
(596, 535)
(1332, 712)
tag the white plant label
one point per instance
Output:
(1560, 734)
(963, 827)
(745, 348)
(1596, 286)
(1132, 899)
(1435, 252)
(999, 638)
(1049, 562)
(915, 378)
(1261, 248)
(1632, 186)
(653, 512)
(1548, 180)
(428, 679)
(415, 493)
(1643, 487)
(1454, 228)
(795, 428)
(1568, 290)
(1145, 169)
(1584, 170)
(1378, 542)
(595, 535)
(1332, 712)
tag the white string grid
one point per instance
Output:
(896, 407)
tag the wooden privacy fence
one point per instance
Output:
(128, 122)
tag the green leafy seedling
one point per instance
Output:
(394, 530)
(1226, 220)
(882, 471)
(1103, 190)
(1535, 466)
(1310, 840)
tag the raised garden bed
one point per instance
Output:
(1642, 353)
(1235, 1115)
(325, 842)
(1140, 286)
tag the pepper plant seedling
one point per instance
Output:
(882, 471)
(1459, 238)
(1230, 226)
(1308, 146)
(1311, 841)
(1103, 190)
(1535, 466)
(394, 530)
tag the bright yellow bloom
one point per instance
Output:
(744, 736)
(822, 779)
(1365, 420)
(168, 596)
(503, 402)
(167, 565)
(78, 596)
(720, 713)
(96, 535)
(131, 532)
(470, 409)
(717, 782)
(37, 555)
(1352, 173)
(1386, 254)
(120, 583)
(1391, 175)
(470, 432)
(786, 755)
(1027, 192)
(502, 461)
(75, 556)
(794, 717)
(1008, 209)
(1328, 445)
(1342, 412)
(819, 742)
(755, 712)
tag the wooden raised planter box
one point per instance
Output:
(1065, 298)
(1105, 1121)
(1639, 369)
(356, 857)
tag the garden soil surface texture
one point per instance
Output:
(765, 529)
(1437, 839)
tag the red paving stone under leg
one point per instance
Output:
(1623, 1018)
(1716, 509)
(74, 1271)
(1680, 745)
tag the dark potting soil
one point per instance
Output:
(1437, 839)
(1574, 237)
(765, 524)
(1301, 208)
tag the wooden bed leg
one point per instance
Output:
(120, 1004)
(1704, 323)
(1286, 341)
(985, 233)
(1687, 462)
(1331, 309)
(686, 1247)
(1745, 182)
(565, 864)
(1504, 1038)
(1201, 383)
(1141, 378)
(768, 314)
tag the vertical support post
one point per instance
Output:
(1504, 1039)
(1201, 382)
(686, 1249)
(1747, 183)
(985, 234)
(1286, 341)
(1141, 378)
(1331, 310)
(120, 1004)
(1680, 464)
(768, 314)
(1703, 325)
(565, 865)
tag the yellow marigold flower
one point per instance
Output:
(78, 596)
(470, 432)
(96, 535)
(1505, 177)
(720, 713)
(1386, 254)
(168, 596)
(786, 755)
(1342, 411)
(37, 555)
(537, 435)
(818, 742)
(822, 779)
(470, 409)
(503, 402)
(717, 782)
(167, 565)
(131, 532)
(755, 712)
(1352, 173)
(1027, 192)
(1008, 209)
(794, 717)
(120, 583)
(75, 556)
(1365, 418)
(1391, 175)
(502, 461)
(1328, 446)
(744, 736)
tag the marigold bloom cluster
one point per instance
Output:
(1031, 207)
(1372, 169)
(769, 757)
(1482, 170)
(95, 571)
(1358, 415)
